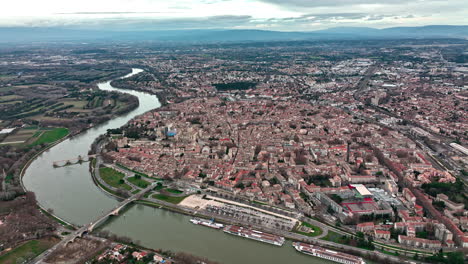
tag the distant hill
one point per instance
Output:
(31, 34)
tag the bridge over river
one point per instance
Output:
(88, 228)
(77, 160)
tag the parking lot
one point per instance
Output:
(252, 216)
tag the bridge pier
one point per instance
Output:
(90, 227)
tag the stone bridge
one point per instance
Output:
(67, 162)
(91, 226)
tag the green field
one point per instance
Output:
(9, 178)
(27, 251)
(170, 199)
(334, 237)
(315, 230)
(137, 172)
(159, 187)
(50, 136)
(174, 191)
(113, 177)
(138, 182)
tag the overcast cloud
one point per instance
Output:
(288, 15)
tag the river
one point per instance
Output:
(72, 195)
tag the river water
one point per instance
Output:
(72, 195)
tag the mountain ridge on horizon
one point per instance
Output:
(58, 34)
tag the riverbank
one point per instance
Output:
(289, 235)
(75, 197)
(70, 135)
(163, 94)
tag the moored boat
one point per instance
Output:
(207, 223)
(255, 235)
(327, 254)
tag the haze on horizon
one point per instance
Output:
(286, 15)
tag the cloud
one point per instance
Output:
(331, 18)
(331, 3)
(288, 15)
(113, 13)
(151, 23)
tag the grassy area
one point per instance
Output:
(174, 191)
(314, 230)
(51, 136)
(113, 177)
(9, 178)
(389, 253)
(258, 202)
(159, 187)
(170, 199)
(138, 182)
(137, 172)
(334, 237)
(27, 251)
(108, 190)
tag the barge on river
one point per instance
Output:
(255, 235)
(207, 223)
(327, 254)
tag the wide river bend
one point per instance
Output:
(72, 195)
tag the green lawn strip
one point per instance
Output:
(334, 237)
(50, 136)
(338, 238)
(108, 190)
(170, 199)
(157, 205)
(135, 191)
(159, 187)
(56, 219)
(25, 252)
(113, 177)
(316, 230)
(8, 178)
(174, 191)
(389, 253)
(260, 203)
(399, 248)
(137, 172)
(138, 182)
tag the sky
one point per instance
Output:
(284, 15)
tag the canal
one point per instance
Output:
(72, 195)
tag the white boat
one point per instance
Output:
(208, 223)
(255, 235)
(327, 254)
